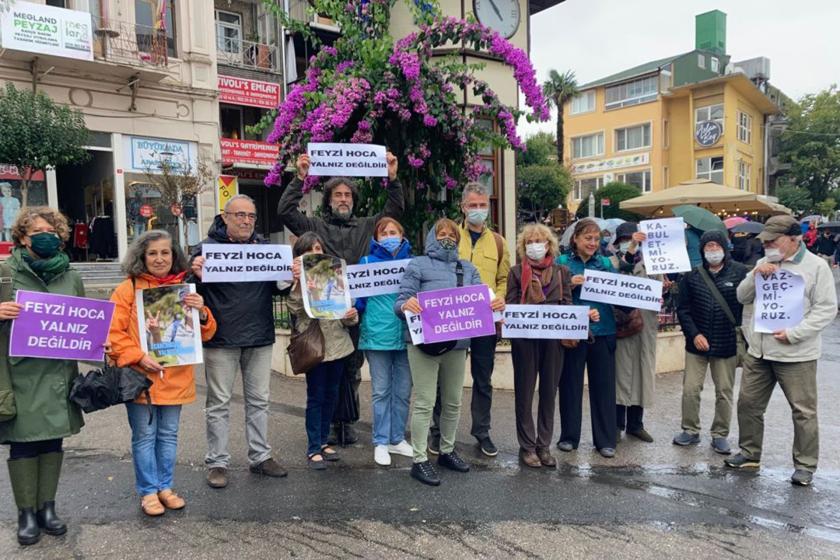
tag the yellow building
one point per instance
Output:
(694, 115)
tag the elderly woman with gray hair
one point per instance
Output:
(154, 260)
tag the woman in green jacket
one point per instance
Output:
(42, 414)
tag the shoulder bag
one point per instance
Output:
(306, 348)
(740, 341)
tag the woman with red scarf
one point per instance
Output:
(537, 280)
(154, 260)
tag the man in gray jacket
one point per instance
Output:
(787, 357)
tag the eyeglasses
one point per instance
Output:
(242, 215)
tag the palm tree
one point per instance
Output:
(560, 88)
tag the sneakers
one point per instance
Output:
(641, 434)
(269, 467)
(566, 446)
(402, 448)
(721, 445)
(434, 444)
(684, 438)
(607, 452)
(453, 462)
(425, 473)
(801, 477)
(487, 446)
(381, 455)
(217, 477)
(741, 462)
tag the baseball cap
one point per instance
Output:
(778, 226)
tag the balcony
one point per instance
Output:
(248, 54)
(131, 44)
(299, 10)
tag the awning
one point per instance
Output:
(702, 192)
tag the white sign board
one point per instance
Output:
(376, 279)
(415, 327)
(236, 262)
(621, 289)
(43, 29)
(779, 301)
(144, 155)
(664, 249)
(347, 160)
(561, 322)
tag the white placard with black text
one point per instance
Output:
(664, 249)
(347, 160)
(235, 262)
(779, 301)
(561, 322)
(621, 289)
(376, 279)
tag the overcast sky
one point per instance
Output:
(596, 38)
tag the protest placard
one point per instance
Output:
(235, 262)
(375, 279)
(347, 160)
(323, 281)
(170, 332)
(562, 322)
(664, 249)
(779, 301)
(456, 313)
(60, 327)
(415, 327)
(621, 289)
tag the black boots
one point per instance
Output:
(49, 470)
(23, 474)
(49, 521)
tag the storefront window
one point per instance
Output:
(11, 198)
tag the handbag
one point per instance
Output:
(441, 348)
(740, 341)
(628, 324)
(306, 348)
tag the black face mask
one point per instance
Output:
(45, 244)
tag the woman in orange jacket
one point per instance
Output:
(154, 260)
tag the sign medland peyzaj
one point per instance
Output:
(46, 30)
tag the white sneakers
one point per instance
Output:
(381, 455)
(402, 448)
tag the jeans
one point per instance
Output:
(321, 397)
(221, 366)
(153, 445)
(390, 379)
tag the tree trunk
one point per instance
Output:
(560, 139)
(24, 187)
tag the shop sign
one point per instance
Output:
(46, 30)
(12, 173)
(227, 187)
(252, 93)
(146, 154)
(249, 152)
(707, 133)
(611, 163)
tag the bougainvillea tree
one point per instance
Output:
(367, 87)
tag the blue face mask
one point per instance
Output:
(391, 244)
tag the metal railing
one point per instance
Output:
(131, 44)
(247, 54)
(282, 317)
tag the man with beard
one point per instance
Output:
(344, 235)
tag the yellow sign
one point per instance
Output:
(228, 187)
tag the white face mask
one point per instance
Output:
(624, 247)
(773, 254)
(714, 257)
(535, 251)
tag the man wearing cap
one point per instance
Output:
(787, 357)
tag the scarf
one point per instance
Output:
(168, 279)
(47, 269)
(533, 284)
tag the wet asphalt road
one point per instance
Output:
(652, 500)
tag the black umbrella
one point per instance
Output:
(347, 407)
(101, 388)
(748, 227)
(829, 225)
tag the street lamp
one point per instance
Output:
(591, 204)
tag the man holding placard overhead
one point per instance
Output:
(788, 353)
(344, 235)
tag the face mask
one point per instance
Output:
(773, 254)
(535, 251)
(624, 247)
(714, 257)
(391, 244)
(447, 244)
(45, 244)
(477, 217)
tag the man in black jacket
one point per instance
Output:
(344, 235)
(710, 338)
(244, 338)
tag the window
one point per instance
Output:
(155, 28)
(585, 186)
(714, 64)
(701, 60)
(710, 113)
(640, 179)
(488, 157)
(57, 3)
(710, 168)
(744, 172)
(744, 127)
(231, 121)
(632, 138)
(588, 146)
(228, 32)
(583, 103)
(632, 93)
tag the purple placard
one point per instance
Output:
(456, 313)
(60, 327)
